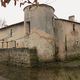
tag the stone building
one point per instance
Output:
(52, 37)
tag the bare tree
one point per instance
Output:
(3, 23)
(5, 2)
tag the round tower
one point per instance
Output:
(39, 16)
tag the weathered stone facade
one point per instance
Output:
(53, 38)
(12, 36)
(68, 38)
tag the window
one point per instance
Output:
(73, 27)
(28, 25)
(10, 32)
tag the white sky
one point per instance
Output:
(63, 8)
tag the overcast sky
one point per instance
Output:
(63, 8)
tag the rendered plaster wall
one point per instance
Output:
(12, 36)
(39, 16)
(68, 39)
(44, 43)
(38, 25)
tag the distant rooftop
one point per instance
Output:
(12, 25)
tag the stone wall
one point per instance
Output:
(19, 56)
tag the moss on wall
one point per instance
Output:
(19, 56)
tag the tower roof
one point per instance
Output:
(39, 5)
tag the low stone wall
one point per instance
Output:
(19, 56)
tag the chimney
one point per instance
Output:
(72, 18)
